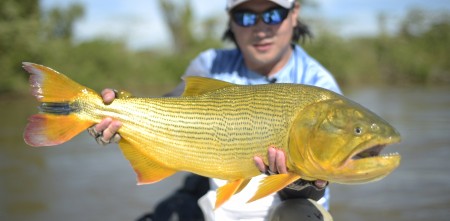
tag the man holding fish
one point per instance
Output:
(265, 33)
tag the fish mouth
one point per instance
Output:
(368, 163)
(374, 151)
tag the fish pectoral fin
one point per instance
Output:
(147, 169)
(272, 184)
(225, 192)
(200, 85)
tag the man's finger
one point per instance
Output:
(260, 164)
(100, 127)
(112, 129)
(108, 95)
(320, 184)
(271, 155)
(280, 162)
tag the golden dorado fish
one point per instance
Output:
(216, 128)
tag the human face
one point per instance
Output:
(266, 47)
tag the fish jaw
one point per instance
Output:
(340, 141)
(368, 164)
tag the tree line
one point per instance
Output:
(417, 53)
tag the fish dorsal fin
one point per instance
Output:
(200, 85)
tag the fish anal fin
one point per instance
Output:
(272, 184)
(200, 85)
(243, 184)
(147, 169)
(224, 193)
(50, 130)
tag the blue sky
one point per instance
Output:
(140, 24)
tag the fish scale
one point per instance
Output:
(216, 129)
(206, 131)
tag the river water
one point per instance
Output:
(80, 180)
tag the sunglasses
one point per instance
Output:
(273, 16)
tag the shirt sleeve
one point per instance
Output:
(201, 65)
(325, 80)
(315, 74)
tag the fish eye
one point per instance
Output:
(358, 131)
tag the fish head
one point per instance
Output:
(340, 141)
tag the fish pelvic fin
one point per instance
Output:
(147, 169)
(272, 184)
(56, 123)
(200, 85)
(224, 193)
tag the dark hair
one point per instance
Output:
(301, 31)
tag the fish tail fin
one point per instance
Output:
(51, 130)
(57, 121)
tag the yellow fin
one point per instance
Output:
(200, 85)
(273, 184)
(243, 184)
(225, 192)
(49, 85)
(147, 170)
(58, 121)
(50, 130)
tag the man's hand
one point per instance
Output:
(277, 164)
(105, 132)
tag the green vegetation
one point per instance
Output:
(418, 53)
(46, 38)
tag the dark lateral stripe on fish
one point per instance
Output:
(63, 108)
